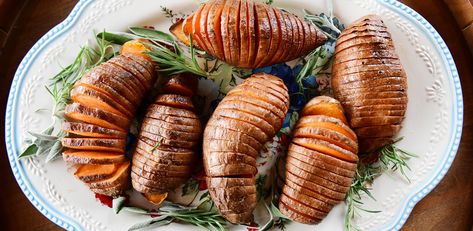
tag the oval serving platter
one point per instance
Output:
(432, 128)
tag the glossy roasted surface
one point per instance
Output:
(448, 207)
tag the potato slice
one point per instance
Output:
(91, 130)
(95, 99)
(263, 34)
(203, 25)
(155, 198)
(129, 76)
(175, 101)
(145, 189)
(330, 162)
(311, 193)
(257, 85)
(224, 29)
(240, 126)
(92, 157)
(378, 131)
(135, 70)
(248, 118)
(325, 188)
(357, 122)
(257, 102)
(119, 176)
(169, 133)
(155, 110)
(321, 176)
(184, 84)
(220, 132)
(260, 112)
(291, 33)
(243, 34)
(107, 90)
(111, 191)
(328, 135)
(222, 182)
(120, 76)
(326, 122)
(235, 199)
(144, 164)
(253, 28)
(95, 144)
(197, 30)
(309, 201)
(170, 142)
(283, 35)
(146, 65)
(217, 145)
(92, 172)
(154, 146)
(259, 94)
(326, 147)
(334, 190)
(235, 169)
(304, 157)
(275, 39)
(79, 112)
(163, 157)
(296, 215)
(160, 186)
(213, 28)
(302, 207)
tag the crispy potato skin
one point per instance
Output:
(369, 80)
(320, 164)
(249, 34)
(169, 134)
(233, 137)
(104, 101)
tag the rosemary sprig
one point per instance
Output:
(48, 141)
(204, 215)
(391, 158)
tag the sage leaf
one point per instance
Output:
(118, 203)
(29, 151)
(114, 38)
(151, 34)
(43, 136)
(54, 151)
(157, 221)
(135, 210)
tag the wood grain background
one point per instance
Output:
(448, 207)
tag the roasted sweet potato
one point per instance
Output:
(162, 159)
(369, 80)
(104, 102)
(321, 162)
(92, 157)
(233, 138)
(248, 34)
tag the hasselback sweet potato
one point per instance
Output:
(370, 82)
(321, 162)
(168, 137)
(104, 102)
(248, 34)
(247, 118)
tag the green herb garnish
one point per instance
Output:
(48, 142)
(204, 215)
(391, 157)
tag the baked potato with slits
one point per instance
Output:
(251, 34)
(247, 118)
(370, 82)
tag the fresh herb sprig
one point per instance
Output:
(48, 142)
(391, 158)
(204, 215)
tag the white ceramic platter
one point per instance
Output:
(432, 128)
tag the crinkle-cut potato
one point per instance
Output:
(169, 134)
(233, 138)
(248, 33)
(370, 82)
(104, 101)
(321, 162)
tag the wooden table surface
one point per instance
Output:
(448, 207)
